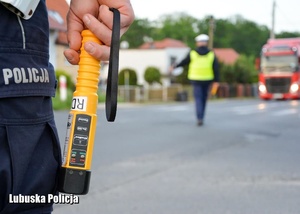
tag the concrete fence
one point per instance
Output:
(237, 90)
(177, 92)
(145, 94)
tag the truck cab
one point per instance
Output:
(279, 75)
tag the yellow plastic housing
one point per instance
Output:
(85, 100)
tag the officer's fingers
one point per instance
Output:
(75, 26)
(72, 56)
(106, 16)
(127, 17)
(74, 39)
(100, 30)
(100, 52)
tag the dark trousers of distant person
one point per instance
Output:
(200, 90)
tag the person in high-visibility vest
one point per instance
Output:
(202, 72)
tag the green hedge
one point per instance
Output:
(152, 75)
(131, 75)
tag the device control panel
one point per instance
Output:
(80, 140)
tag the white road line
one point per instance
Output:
(251, 109)
(285, 112)
(264, 108)
(173, 108)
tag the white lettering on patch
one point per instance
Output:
(25, 75)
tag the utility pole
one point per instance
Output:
(272, 33)
(211, 32)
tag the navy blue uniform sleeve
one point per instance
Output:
(25, 69)
(184, 62)
(216, 70)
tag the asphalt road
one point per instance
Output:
(154, 160)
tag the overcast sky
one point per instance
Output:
(287, 12)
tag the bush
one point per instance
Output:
(227, 73)
(242, 71)
(132, 76)
(152, 75)
(244, 68)
(62, 105)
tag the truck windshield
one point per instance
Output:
(285, 63)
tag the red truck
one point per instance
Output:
(279, 76)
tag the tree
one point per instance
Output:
(139, 29)
(180, 26)
(285, 34)
(244, 69)
(223, 33)
(227, 73)
(245, 36)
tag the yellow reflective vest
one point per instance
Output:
(201, 66)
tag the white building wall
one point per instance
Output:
(178, 53)
(139, 60)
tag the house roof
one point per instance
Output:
(226, 55)
(165, 43)
(57, 15)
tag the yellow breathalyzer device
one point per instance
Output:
(75, 172)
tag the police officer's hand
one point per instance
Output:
(216, 85)
(214, 88)
(95, 16)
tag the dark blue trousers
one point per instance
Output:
(30, 154)
(200, 90)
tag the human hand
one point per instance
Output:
(216, 85)
(214, 88)
(95, 16)
(171, 68)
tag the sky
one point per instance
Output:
(287, 12)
